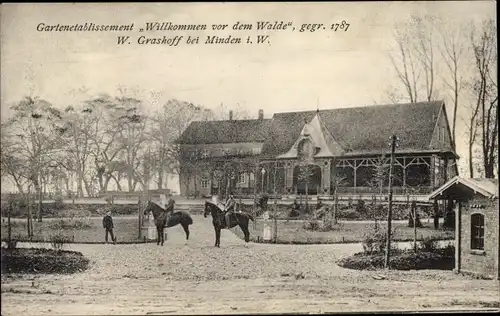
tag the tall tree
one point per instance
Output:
(106, 149)
(32, 129)
(485, 89)
(414, 60)
(452, 50)
(132, 135)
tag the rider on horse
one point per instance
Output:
(230, 205)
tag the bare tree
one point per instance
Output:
(106, 149)
(414, 59)
(13, 167)
(485, 89)
(32, 130)
(452, 50)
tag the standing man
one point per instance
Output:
(107, 224)
(229, 206)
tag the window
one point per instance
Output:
(241, 178)
(204, 183)
(477, 232)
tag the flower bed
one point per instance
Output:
(400, 260)
(40, 260)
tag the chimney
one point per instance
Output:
(230, 115)
(261, 114)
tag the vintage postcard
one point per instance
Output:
(249, 158)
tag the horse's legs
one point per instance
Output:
(215, 229)
(162, 235)
(217, 237)
(157, 235)
(244, 228)
(186, 230)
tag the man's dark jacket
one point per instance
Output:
(107, 222)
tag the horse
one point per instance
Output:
(219, 221)
(162, 219)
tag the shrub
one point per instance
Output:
(321, 226)
(294, 213)
(348, 214)
(71, 223)
(311, 225)
(328, 226)
(402, 260)
(39, 260)
(361, 207)
(58, 240)
(58, 203)
(375, 239)
(428, 244)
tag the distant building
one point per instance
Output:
(477, 240)
(268, 155)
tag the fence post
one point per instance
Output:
(275, 221)
(140, 218)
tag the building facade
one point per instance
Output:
(477, 222)
(320, 151)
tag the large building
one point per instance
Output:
(298, 151)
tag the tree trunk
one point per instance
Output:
(29, 225)
(80, 184)
(471, 162)
(38, 188)
(130, 182)
(9, 232)
(118, 185)
(160, 178)
(415, 229)
(335, 206)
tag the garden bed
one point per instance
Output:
(80, 230)
(440, 259)
(45, 261)
(293, 232)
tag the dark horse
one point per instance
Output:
(219, 222)
(162, 219)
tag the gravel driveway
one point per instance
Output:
(195, 278)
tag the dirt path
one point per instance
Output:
(196, 278)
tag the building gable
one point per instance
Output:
(320, 138)
(441, 136)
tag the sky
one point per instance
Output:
(296, 71)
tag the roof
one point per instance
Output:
(227, 131)
(356, 130)
(360, 130)
(483, 186)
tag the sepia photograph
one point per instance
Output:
(190, 158)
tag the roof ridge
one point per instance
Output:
(440, 102)
(233, 120)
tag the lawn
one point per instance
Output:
(346, 232)
(83, 230)
(89, 230)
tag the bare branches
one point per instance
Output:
(486, 94)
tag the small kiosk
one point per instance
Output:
(477, 240)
